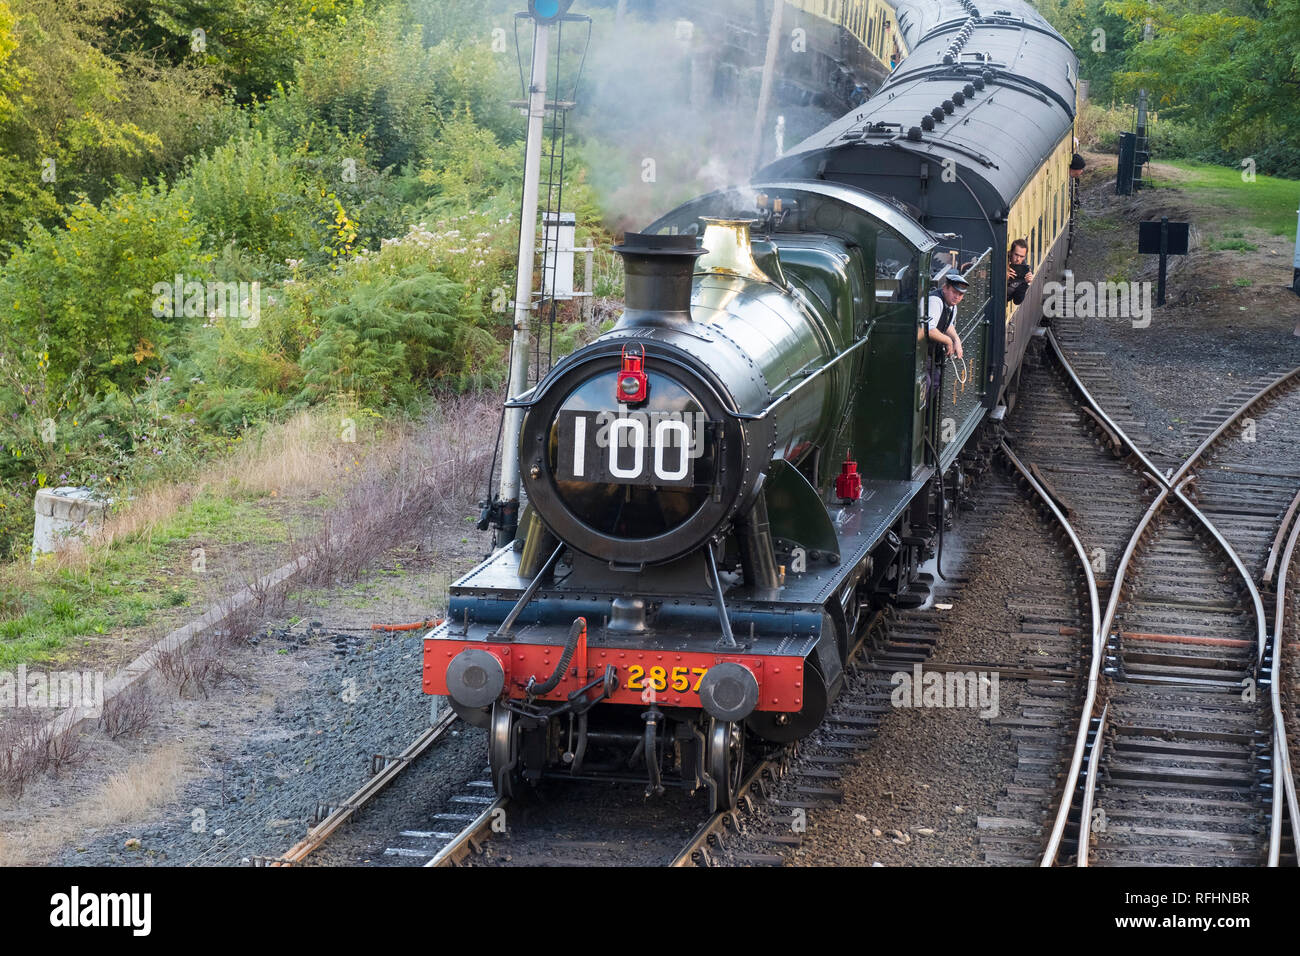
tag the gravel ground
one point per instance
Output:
(313, 745)
(1212, 336)
(913, 798)
(262, 753)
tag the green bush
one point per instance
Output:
(244, 193)
(252, 45)
(466, 165)
(372, 81)
(88, 288)
(394, 337)
(95, 441)
(81, 106)
(378, 84)
(338, 127)
(17, 520)
(230, 409)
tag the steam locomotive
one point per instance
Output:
(759, 456)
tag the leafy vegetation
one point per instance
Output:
(1223, 75)
(212, 215)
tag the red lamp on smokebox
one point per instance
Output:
(632, 385)
(848, 483)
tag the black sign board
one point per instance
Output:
(636, 448)
(1149, 238)
(1163, 239)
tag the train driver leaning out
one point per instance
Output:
(941, 313)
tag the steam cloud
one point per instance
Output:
(665, 115)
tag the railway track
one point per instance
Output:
(1168, 762)
(328, 818)
(1180, 751)
(1064, 459)
(711, 838)
(615, 827)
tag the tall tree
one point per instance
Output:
(1232, 69)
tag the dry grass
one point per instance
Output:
(438, 463)
(307, 454)
(153, 781)
(439, 469)
(300, 457)
(24, 752)
(310, 454)
(196, 666)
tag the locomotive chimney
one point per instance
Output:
(657, 272)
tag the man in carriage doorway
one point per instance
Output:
(1020, 274)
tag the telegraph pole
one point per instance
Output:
(514, 417)
(506, 508)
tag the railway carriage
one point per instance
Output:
(726, 488)
(843, 50)
(974, 131)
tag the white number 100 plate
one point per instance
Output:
(603, 447)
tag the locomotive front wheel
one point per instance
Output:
(503, 751)
(725, 760)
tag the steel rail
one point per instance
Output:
(1276, 547)
(467, 841)
(1090, 788)
(699, 841)
(1094, 667)
(369, 790)
(1281, 751)
(1173, 484)
(1095, 405)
